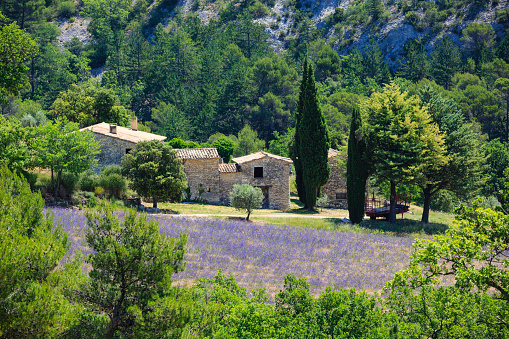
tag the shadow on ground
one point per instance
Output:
(404, 226)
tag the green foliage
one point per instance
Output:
(112, 181)
(313, 140)
(14, 151)
(225, 147)
(402, 139)
(90, 105)
(155, 171)
(88, 181)
(16, 47)
(31, 301)
(281, 143)
(131, 268)
(414, 63)
(445, 61)
(463, 172)
(246, 198)
(294, 299)
(170, 121)
(357, 169)
(478, 39)
(247, 142)
(60, 146)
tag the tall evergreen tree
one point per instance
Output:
(313, 143)
(295, 147)
(356, 169)
(445, 61)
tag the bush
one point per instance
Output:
(114, 184)
(112, 169)
(444, 201)
(112, 181)
(66, 9)
(246, 197)
(88, 181)
(69, 181)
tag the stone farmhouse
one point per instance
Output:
(116, 141)
(208, 177)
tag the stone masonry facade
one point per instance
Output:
(335, 188)
(112, 150)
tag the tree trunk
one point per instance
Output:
(392, 214)
(154, 202)
(57, 186)
(248, 214)
(427, 203)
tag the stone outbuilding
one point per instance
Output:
(116, 141)
(335, 188)
(211, 180)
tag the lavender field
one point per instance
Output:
(259, 255)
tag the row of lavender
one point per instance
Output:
(259, 255)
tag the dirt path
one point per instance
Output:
(288, 215)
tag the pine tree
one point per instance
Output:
(313, 141)
(356, 169)
(403, 140)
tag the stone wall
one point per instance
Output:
(206, 173)
(112, 150)
(335, 188)
(276, 177)
(226, 182)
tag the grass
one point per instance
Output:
(329, 219)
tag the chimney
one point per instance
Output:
(134, 123)
(113, 128)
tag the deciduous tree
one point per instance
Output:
(16, 47)
(61, 146)
(155, 171)
(246, 198)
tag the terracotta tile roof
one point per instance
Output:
(123, 133)
(197, 153)
(229, 168)
(260, 155)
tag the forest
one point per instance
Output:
(201, 82)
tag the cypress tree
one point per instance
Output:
(294, 149)
(356, 170)
(313, 141)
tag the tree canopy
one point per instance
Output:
(155, 171)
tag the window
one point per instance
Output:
(340, 196)
(258, 172)
(127, 150)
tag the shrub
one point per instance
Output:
(246, 197)
(88, 181)
(114, 184)
(66, 9)
(69, 181)
(443, 201)
(112, 169)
